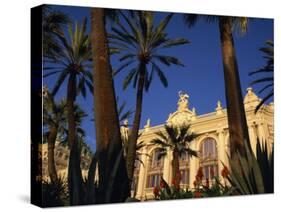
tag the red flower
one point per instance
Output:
(197, 194)
(224, 172)
(162, 184)
(156, 191)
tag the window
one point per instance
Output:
(208, 158)
(157, 161)
(208, 148)
(153, 180)
(184, 176)
(155, 169)
(184, 168)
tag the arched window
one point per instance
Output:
(184, 169)
(209, 158)
(155, 169)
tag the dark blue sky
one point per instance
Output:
(202, 76)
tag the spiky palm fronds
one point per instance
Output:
(267, 69)
(54, 114)
(253, 175)
(55, 194)
(53, 23)
(240, 24)
(122, 113)
(75, 58)
(175, 138)
(141, 41)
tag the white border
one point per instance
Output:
(15, 101)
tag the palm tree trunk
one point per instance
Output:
(75, 181)
(238, 129)
(51, 158)
(176, 168)
(108, 138)
(133, 137)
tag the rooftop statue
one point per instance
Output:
(183, 101)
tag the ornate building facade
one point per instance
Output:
(212, 143)
(61, 155)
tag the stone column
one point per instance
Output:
(167, 167)
(221, 149)
(194, 163)
(253, 136)
(142, 174)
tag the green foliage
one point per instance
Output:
(175, 138)
(240, 24)
(55, 194)
(140, 43)
(53, 23)
(55, 114)
(75, 59)
(267, 73)
(252, 175)
(166, 192)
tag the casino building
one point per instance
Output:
(212, 143)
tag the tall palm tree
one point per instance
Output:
(52, 24)
(108, 138)
(268, 69)
(178, 140)
(140, 42)
(55, 126)
(238, 129)
(73, 64)
(54, 122)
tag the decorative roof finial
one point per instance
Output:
(147, 126)
(183, 101)
(219, 107)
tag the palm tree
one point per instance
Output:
(54, 122)
(238, 129)
(268, 69)
(108, 138)
(140, 45)
(55, 127)
(73, 64)
(178, 140)
(53, 23)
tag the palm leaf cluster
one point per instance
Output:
(139, 153)
(266, 70)
(139, 42)
(79, 116)
(74, 59)
(52, 23)
(253, 175)
(175, 138)
(123, 113)
(53, 114)
(240, 24)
